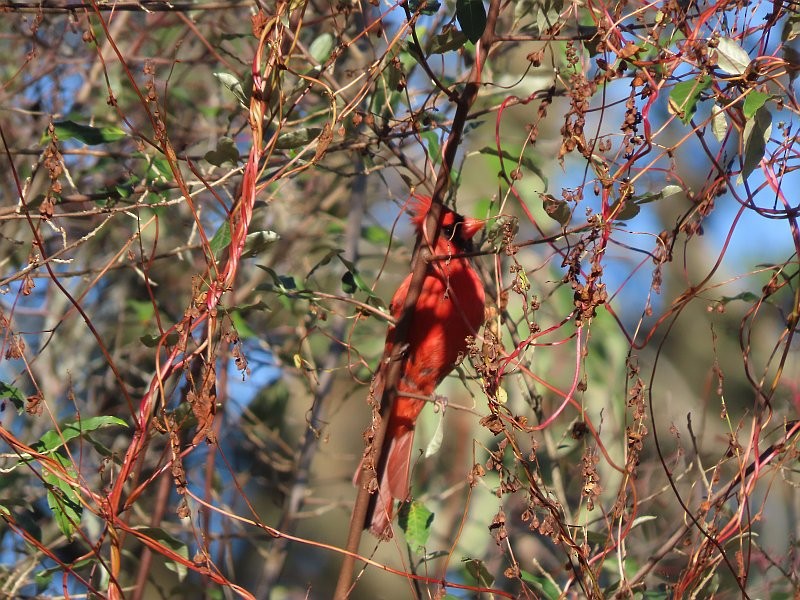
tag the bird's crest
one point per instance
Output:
(454, 226)
(420, 205)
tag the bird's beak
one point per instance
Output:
(469, 227)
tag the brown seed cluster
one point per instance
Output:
(34, 404)
(637, 430)
(203, 400)
(591, 478)
(661, 254)
(54, 163)
(15, 348)
(630, 125)
(237, 351)
(581, 91)
(591, 293)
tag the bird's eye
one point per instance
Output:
(449, 231)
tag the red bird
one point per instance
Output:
(450, 308)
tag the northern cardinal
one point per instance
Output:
(450, 308)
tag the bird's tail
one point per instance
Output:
(392, 474)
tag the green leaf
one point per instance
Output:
(297, 138)
(52, 440)
(258, 306)
(540, 16)
(320, 48)
(748, 297)
(45, 576)
(226, 151)
(542, 584)
(684, 96)
(435, 555)
(756, 134)
(547, 16)
(596, 537)
(349, 283)
(91, 136)
(522, 10)
(447, 41)
(221, 239)
(434, 149)
(424, 7)
(792, 57)
(385, 95)
(269, 406)
(791, 28)
(392, 79)
(478, 570)
(174, 544)
(471, 15)
(436, 441)
(588, 32)
(157, 166)
(641, 520)
(123, 191)
(415, 521)
(62, 498)
(669, 190)
(628, 211)
(151, 340)
(232, 82)
(376, 235)
(719, 123)
(497, 230)
(282, 283)
(558, 210)
(353, 281)
(412, 50)
(731, 57)
(257, 242)
(242, 328)
(752, 102)
(16, 397)
(325, 260)
(28, 521)
(143, 309)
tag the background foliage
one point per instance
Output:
(202, 220)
